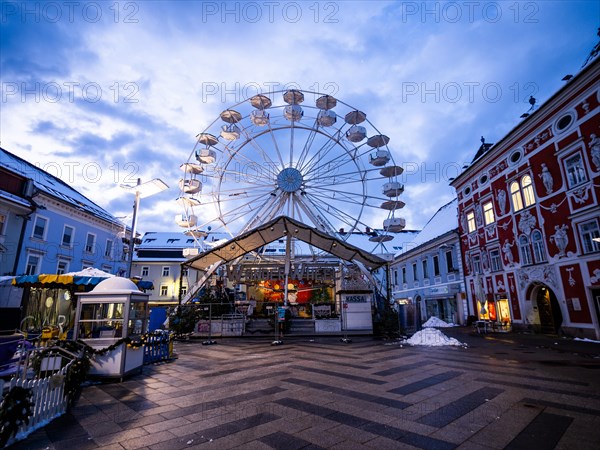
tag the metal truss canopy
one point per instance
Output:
(277, 228)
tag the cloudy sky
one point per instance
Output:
(101, 93)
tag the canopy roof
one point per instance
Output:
(275, 229)
(67, 280)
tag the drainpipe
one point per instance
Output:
(460, 249)
(25, 218)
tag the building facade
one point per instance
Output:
(530, 220)
(46, 226)
(428, 274)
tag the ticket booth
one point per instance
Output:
(113, 310)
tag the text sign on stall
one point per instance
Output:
(357, 312)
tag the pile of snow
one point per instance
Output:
(434, 322)
(432, 338)
(586, 340)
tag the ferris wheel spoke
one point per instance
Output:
(364, 195)
(337, 213)
(258, 147)
(351, 158)
(332, 180)
(243, 209)
(340, 197)
(235, 166)
(321, 153)
(308, 144)
(346, 174)
(243, 179)
(276, 147)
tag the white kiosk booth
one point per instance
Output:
(113, 310)
(356, 310)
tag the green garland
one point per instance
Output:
(16, 406)
(15, 409)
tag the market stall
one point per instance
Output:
(49, 300)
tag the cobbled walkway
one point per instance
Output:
(510, 391)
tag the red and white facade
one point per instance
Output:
(529, 217)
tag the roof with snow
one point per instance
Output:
(442, 222)
(53, 186)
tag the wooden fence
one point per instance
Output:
(47, 385)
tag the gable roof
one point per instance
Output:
(442, 222)
(275, 229)
(53, 186)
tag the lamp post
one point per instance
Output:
(141, 190)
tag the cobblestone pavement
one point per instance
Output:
(511, 391)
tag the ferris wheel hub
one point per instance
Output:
(290, 180)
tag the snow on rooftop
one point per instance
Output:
(52, 185)
(443, 221)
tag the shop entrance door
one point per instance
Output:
(549, 310)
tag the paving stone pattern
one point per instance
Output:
(507, 390)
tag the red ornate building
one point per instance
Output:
(530, 220)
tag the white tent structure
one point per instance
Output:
(280, 227)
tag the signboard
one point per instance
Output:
(356, 311)
(436, 290)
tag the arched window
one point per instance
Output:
(537, 242)
(525, 251)
(515, 196)
(527, 186)
(521, 193)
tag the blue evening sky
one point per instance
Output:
(101, 93)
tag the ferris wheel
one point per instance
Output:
(296, 153)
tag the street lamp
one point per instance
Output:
(141, 190)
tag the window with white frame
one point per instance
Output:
(476, 261)
(184, 289)
(144, 271)
(184, 272)
(67, 237)
(521, 193)
(495, 260)
(488, 213)
(537, 242)
(108, 249)
(32, 266)
(62, 267)
(39, 227)
(86, 265)
(166, 270)
(525, 251)
(471, 221)
(90, 243)
(436, 265)
(449, 263)
(414, 268)
(164, 290)
(588, 231)
(395, 276)
(575, 170)
(527, 187)
(425, 271)
(515, 196)
(403, 274)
